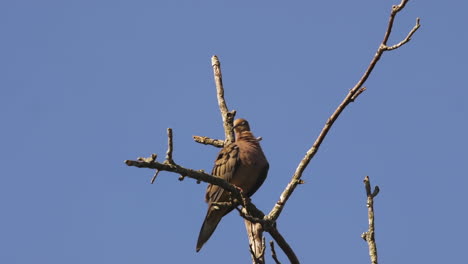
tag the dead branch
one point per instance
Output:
(257, 241)
(350, 97)
(199, 175)
(169, 159)
(273, 252)
(276, 235)
(228, 117)
(408, 37)
(369, 236)
(209, 141)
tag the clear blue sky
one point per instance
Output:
(87, 84)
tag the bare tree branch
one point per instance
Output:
(214, 142)
(154, 176)
(395, 10)
(169, 159)
(407, 39)
(199, 175)
(369, 236)
(228, 117)
(350, 97)
(257, 241)
(273, 252)
(209, 141)
(276, 235)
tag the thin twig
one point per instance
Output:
(276, 235)
(169, 159)
(360, 91)
(213, 142)
(154, 176)
(228, 117)
(352, 94)
(273, 252)
(408, 37)
(395, 10)
(152, 159)
(209, 141)
(369, 236)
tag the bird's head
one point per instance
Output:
(241, 125)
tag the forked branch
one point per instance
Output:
(369, 236)
(350, 97)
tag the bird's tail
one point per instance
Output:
(213, 216)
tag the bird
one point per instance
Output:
(241, 163)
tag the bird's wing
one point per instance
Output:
(225, 167)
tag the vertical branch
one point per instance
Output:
(254, 230)
(169, 147)
(256, 241)
(228, 117)
(169, 159)
(369, 236)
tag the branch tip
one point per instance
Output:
(369, 235)
(375, 192)
(209, 141)
(169, 151)
(154, 176)
(359, 92)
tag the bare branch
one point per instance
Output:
(352, 94)
(209, 141)
(169, 159)
(151, 159)
(154, 176)
(369, 236)
(273, 252)
(252, 214)
(256, 241)
(275, 234)
(228, 117)
(395, 10)
(199, 175)
(358, 93)
(214, 142)
(408, 37)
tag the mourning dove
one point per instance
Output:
(241, 163)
